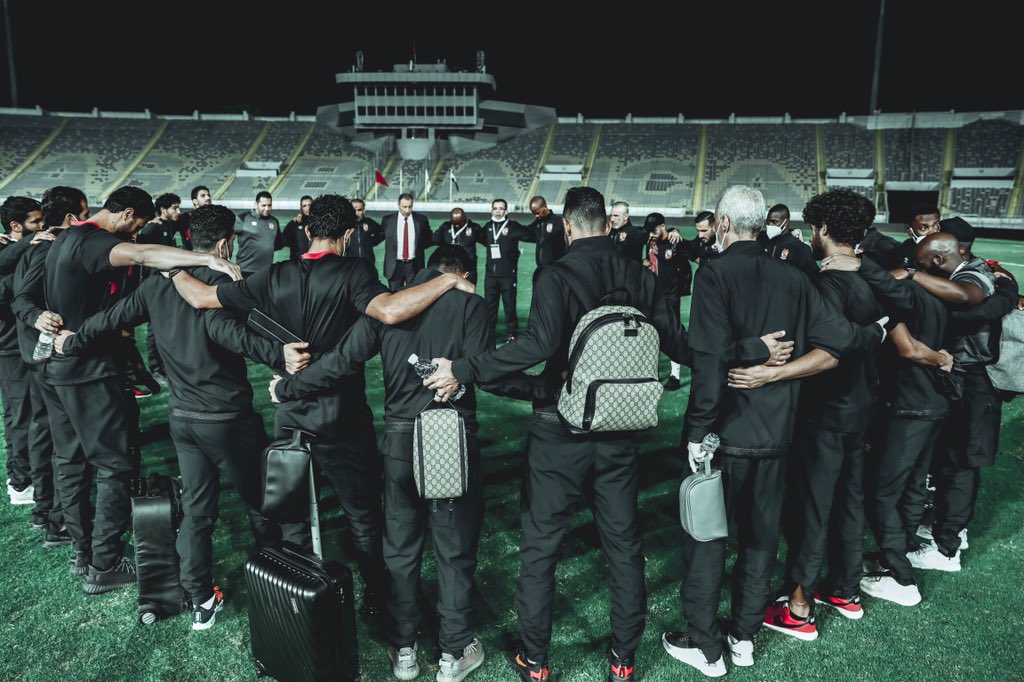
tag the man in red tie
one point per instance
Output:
(406, 236)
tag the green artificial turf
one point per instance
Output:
(967, 628)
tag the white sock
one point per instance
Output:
(675, 369)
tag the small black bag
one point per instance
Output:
(156, 518)
(285, 479)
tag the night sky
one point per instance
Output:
(808, 59)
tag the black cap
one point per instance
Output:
(959, 228)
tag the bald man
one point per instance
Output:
(970, 437)
(461, 231)
(547, 231)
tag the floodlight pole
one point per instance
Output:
(878, 59)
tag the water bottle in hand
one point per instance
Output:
(710, 444)
(44, 347)
(424, 368)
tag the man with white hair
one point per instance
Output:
(745, 292)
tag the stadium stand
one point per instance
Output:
(648, 164)
(988, 144)
(506, 170)
(848, 146)
(277, 147)
(779, 160)
(914, 154)
(985, 202)
(19, 137)
(330, 163)
(570, 146)
(90, 153)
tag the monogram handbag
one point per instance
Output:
(440, 458)
(702, 505)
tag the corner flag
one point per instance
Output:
(451, 176)
(378, 178)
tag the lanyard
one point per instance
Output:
(456, 234)
(496, 232)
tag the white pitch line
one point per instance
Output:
(1016, 265)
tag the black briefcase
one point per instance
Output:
(285, 478)
(156, 518)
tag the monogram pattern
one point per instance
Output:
(620, 370)
(439, 458)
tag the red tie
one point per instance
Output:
(405, 242)
(652, 255)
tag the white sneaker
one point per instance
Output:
(963, 540)
(929, 557)
(926, 533)
(883, 586)
(741, 651)
(683, 650)
(451, 669)
(403, 662)
(22, 497)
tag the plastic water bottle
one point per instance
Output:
(710, 444)
(44, 347)
(424, 368)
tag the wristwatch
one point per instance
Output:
(171, 273)
(910, 272)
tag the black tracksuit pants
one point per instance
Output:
(562, 471)
(970, 440)
(14, 391)
(825, 510)
(753, 501)
(353, 469)
(205, 450)
(40, 447)
(89, 424)
(153, 360)
(503, 288)
(896, 472)
(455, 532)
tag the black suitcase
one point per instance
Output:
(302, 616)
(156, 518)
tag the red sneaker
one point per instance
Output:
(778, 617)
(848, 608)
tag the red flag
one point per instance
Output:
(379, 179)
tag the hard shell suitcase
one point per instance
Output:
(302, 617)
(156, 518)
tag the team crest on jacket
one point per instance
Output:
(784, 255)
(366, 228)
(504, 231)
(622, 236)
(469, 231)
(549, 227)
(254, 223)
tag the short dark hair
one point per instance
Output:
(209, 224)
(353, 201)
(304, 197)
(494, 201)
(405, 195)
(449, 258)
(653, 220)
(847, 214)
(134, 198)
(778, 208)
(197, 189)
(16, 210)
(59, 201)
(923, 209)
(709, 216)
(166, 201)
(330, 217)
(584, 208)
(264, 194)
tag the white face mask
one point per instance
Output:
(917, 239)
(775, 230)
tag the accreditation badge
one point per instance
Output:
(254, 223)
(495, 252)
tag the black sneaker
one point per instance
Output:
(203, 619)
(57, 538)
(80, 563)
(40, 523)
(121, 574)
(673, 384)
(511, 339)
(529, 672)
(619, 668)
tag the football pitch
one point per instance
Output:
(967, 628)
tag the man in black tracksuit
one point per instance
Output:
(668, 262)
(212, 422)
(970, 436)
(368, 234)
(565, 469)
(21, 218)
(294, 233)
(825, 498)
(89, 415)
(629, 239)
(744, 292)
(915, 379)
(500, 237)
(547, 231)
(779, 242)
(462, 232)
(880, 248)
(454, 326)
(319, 298)
(61, 206)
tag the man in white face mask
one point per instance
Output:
(924, 221)
(779, 242)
